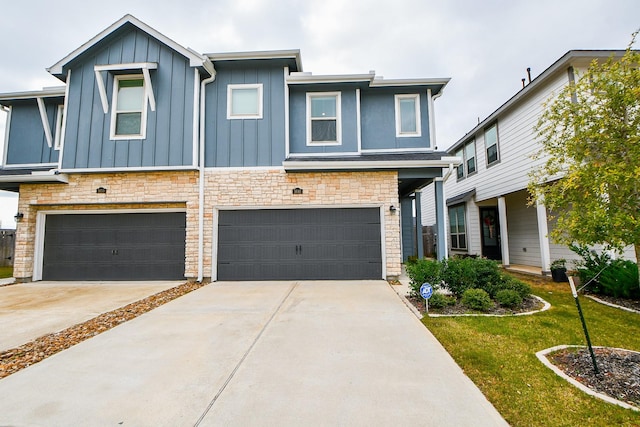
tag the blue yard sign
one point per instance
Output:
(426, 290)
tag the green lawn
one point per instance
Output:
(6, 272)
(498, 354)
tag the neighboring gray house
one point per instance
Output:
(152, 161)
(487, 198)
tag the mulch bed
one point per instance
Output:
(619, 371)
(15, 359)
(529, 304)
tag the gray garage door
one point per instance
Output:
(134, 246)
(299, 244)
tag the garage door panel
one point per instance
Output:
(132, 246)
(297, 244)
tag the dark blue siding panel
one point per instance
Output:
(298, 123)
(27, 142)
(169, 129)
(377, 109)
(249, 142)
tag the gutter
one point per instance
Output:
(201, 178)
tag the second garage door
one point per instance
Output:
(127, 246)
(299, 244)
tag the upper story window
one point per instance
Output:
(457, 227)
(244, 101)
(468, 155)
(408, 115)
(129, 115)
(491, 144)
(323, 118)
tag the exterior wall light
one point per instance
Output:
(392, 209)
(18, 217)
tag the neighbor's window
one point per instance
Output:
(491, 143)
(460, 168)
(470, 156)
(323, 118)
(457, 227)
(407, 115)
(244, 101)
(130, 109)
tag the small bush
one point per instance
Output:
(620, 279)
(508, 298)
(477, 299)
(421, 271)
(439, 300)
(459, 274)
(513, 284)
(590, 265)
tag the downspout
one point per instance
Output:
(201, 179)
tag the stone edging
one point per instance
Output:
(542, 356)
(546, 307)
(598, 300)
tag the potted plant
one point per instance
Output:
(559, 270)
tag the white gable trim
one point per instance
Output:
(195, 59)
(144, 66)
(45, 121)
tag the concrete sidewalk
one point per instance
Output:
(255, 354)
(31, 310)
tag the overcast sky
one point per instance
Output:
(483, 46)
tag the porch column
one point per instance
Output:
(504, 230)
(441, 221)
(406, 224)
(543, 235)
(419, 240)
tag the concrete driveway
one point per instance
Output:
(31, 310)
(255, 354)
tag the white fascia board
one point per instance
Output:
(356, 165)
(32, 94)
(258, 54)
(410, 82)
(36, 178)
(195, 60)
(295, 78)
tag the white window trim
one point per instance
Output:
(230, 89)
(59, 119)
(338, 118)
(133, 66)
(464, 212)
(497, 144)
(399, 133)
(143, 118)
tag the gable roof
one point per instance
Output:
(195, 59)
(572, 57)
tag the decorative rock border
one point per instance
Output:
(546, 307)
(598, 300)
(542, 356)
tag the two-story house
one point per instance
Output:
(153, 161)
(487, 199)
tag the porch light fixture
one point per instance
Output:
(18, 217)
(101, 190)
(297, 190)
(392, 209)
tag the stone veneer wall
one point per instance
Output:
(140, 190)
(273, 188)
(224, 188)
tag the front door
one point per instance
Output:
(490, 233)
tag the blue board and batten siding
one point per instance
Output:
(245, 142)
(169, 129)
(377, 108)
(27, 143)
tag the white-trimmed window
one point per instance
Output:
(457, 228)
(491, 144)
(408, 115)
(468, 155)
(323, 118)
(244, 101)
(129, 115)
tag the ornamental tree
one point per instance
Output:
(590, 137)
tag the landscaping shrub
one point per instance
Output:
(513, 284)
(459, 274)
(440, 300)
(421, 271)
(620, 279)
(508, 298)
(590, 265)
(477, 299)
